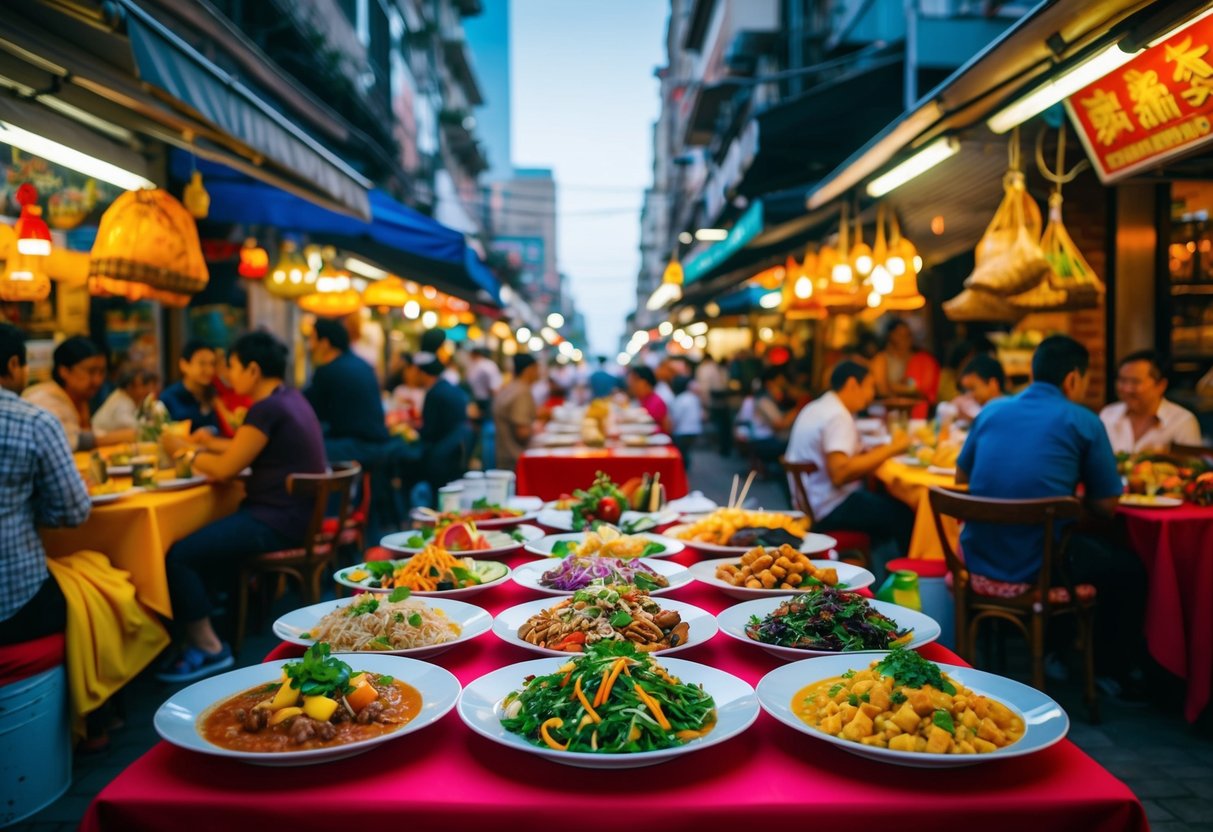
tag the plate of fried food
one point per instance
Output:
(763, 572)
(901, 708)
(737, 530)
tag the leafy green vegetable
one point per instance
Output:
(380, 568)
(898, 697)
(913, 671)
(399, 594)
(319, 674)
(382, 641)
(652, 548)
(944, 720)
(368, 604)
(561, 548)
(483, 502)
(586, 507)
(415, 620)
(826, 619)
(621, 619)
(305, 635)
(398, 618)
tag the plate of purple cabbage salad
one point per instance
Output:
(566, 576)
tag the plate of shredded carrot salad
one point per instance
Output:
(613, 707)
(433, 571)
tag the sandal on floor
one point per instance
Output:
(196, 664)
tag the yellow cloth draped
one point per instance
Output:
(110, 637)
(910, 484)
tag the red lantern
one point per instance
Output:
(33, 235)
(254, 260)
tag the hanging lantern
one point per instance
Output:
(798, 289)
(841, 291)
(197, 200)
(670, 289)
(861, 253)
(23, 277)
(903, 264)
(291, 277)
(500, 329)
(147, 248)
(69, 207)
(33, 234)
(254, 260)
(389, 292)
(336, 304)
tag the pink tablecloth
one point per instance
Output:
(1176, 546)
(446, 777)
(550, 472)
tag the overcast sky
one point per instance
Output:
(584, 100)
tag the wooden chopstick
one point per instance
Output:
(746, 490)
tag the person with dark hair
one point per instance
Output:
(445, 433)
(515, 413)
(39, 486)
(603, 382)
(983, 380)
(642, 386)
(280, 437)
(826, 435)
(686, 417)
(121, 407)
(771, 422)
(77, 374)
(1043, 443)
(901, 370)
(345, 395)
(1144, 419)
(193, 397)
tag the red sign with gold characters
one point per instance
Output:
(1158, 105)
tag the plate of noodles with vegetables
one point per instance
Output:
(611, 708)
(433, 572)
(900, 708)
(395, 624)
(314, 709)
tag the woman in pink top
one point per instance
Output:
(642, 385)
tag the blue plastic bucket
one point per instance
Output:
(35, 744)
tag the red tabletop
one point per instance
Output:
(447, 777)
(550, 472)
(1176, 545)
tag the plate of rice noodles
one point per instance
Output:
(606, 542)
(900, 708)
(409, 626)
(825, 623)
(604, 613)
(566, 576)
(611, 708)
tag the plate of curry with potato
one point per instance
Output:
(900, 708)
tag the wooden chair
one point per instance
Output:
(310, 561)
(1029, 607)
(1192, 451)
(848, 540)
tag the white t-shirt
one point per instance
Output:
(823, 428)
(1175, 424)
(663, 390)
(484, 379)
(117, 412)
(685, 416)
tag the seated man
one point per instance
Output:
(1041, 443)
(983, 380)
(280, 436)
(193, 396)
(826, 435)
(39, 486)
(770, 423)
(121, 408)
(1143, 420)
(345, 395)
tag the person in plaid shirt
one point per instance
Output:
(39, 485)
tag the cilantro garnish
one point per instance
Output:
(399, 594)
(911, 670)
(944, 720)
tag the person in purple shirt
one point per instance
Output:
(280, 436)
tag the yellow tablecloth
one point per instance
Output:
(136, 533)
(909, 483)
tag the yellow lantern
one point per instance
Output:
(23, 278)
(388, 292)
(336, 304)
(291, 277)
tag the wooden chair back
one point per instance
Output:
(339, 481)
(797, 471)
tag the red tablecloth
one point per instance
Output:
(29, 658)
(446, 777)
(550, 472)
(1176, 545)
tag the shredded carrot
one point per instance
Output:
(654, 706)
(422, 571)
(585, 703)
(687, 736)
(605, 691)
(606, 674)
(564, 683)
(554, 722)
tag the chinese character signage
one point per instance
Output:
(1158, 105)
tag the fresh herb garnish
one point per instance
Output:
(853, 698)
(652, 548)
(835, 689)
(399, 594)
(561, 548)
(415, 620)
(305, 635)
(382, 640)
(318, 673)
(398, 618)
(944, 720)
(913, 671)
(367, 605)
(621, 619)
(483, 502)
(381, 568)
(898, 697)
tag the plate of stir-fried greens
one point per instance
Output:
(613, 707)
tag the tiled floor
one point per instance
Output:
(1164, 760)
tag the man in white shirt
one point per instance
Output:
(1143, 420)
(825, 434)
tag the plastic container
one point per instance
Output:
(933, 593)
(450, 498)
(901, 588)
(499, 486)
(35, 744)
(473, 488)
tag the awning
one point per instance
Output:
(397, 238)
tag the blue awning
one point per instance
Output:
(397, 238)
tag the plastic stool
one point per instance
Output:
(35, 744)
(933, 591)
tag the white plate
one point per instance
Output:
(701, 625)
(466, 592)
(561, 519)
(637, 428)
(480, 710)
(1045, 723)
(733, 621)
(543, 547)
(944, 472)
(912, 461)
(814, 541)
(472, 620)
(870, 425)
(176, 720)
(178, 483)
(704, 571)
(1146, 501)
(119, 470)
(426, 518)
(659, 439)
(396, 543)
(113, 497)
(528, 575)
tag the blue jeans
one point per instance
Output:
(215, 553)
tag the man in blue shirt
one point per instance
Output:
(193, 397)
(1042, 443)
(345, 395)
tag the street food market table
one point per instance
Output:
(1176, 546)
(549, 472)
(135, 533)
(910, 484)
(446, 777)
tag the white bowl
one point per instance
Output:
(472, 620)
(1045, 722)
(176, 720)
(529, 575)
(480, 710)
(704, 571)
(733, 622)
(543, 547)
(701, 625)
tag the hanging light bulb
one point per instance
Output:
(882, 280)
(804, 287)
(670, 289)
(291, 277)
(873, 299)
(33, 234)
(429, 319)
(917, 263)
(841, 273)
(412, 310)
(861, 253)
